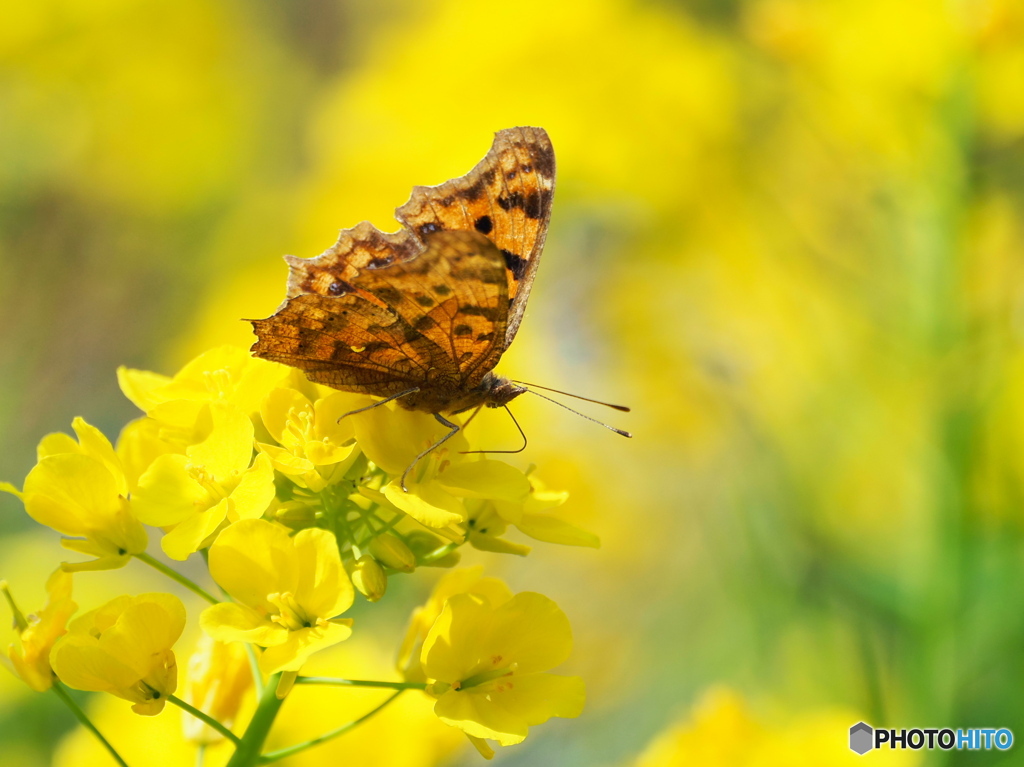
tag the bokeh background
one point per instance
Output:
(787, 232)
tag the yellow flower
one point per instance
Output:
(212, 483)
(288, 591)
(310, 435)
(30, 655)
(468, 580)
(79, 489)
(222, 376)
(124, 648)
(225, 375)
(535, 517)
(488, 662)
(218, 677)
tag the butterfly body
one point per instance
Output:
(423, 315)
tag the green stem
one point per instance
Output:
(439, 553)
(206, 718)
(176, 576)
(333, 682)
(254, 667)
(273, 756)
(248, 752)
(81, 716)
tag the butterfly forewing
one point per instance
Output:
(430, 307)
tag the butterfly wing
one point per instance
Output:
(436, 321)
(507, 197)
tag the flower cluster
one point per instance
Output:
(296, 504)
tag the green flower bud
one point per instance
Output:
(429, 551)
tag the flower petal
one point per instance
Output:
(254, 558)
(485, 479)
(255, 491)
(230, 622)
(293, 653)
(324, 589)
(167, 493)
(428, 504)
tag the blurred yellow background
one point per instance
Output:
(788, 233)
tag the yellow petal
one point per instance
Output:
(227, 451)
(141, 386)
(427, 503)
(167, 492)
(544, 527)
(485, 479)
(254, 493)
(276, 409)
(293, 653)
(138, 445)
(56, 443)
(504, 709)
(324, 589)
(94, 443)
(228, 622)
(254, 558)
(72, 493)
(190, 535)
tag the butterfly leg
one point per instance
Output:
(378, 404)
(455, 428)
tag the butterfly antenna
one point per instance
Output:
(521, 434)
(583, 415)
(620, 408)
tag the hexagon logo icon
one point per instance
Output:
(861, 738)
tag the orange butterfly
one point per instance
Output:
(423, 315)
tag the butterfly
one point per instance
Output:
(423, 315)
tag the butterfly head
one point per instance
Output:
(500, 390)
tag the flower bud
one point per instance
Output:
(390, 551)
(369, 578)
(428, 550)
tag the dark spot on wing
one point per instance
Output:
(380, 262)
(509, 201)
(441, 290)
(462, 330)
(526, 168)
(510, 175)
(388, 295)
(487, 312)
(424, 300)
(411, 335)
(488, 176)
(338, 288)
(484, 225)
(535, 203)
(516, 264)
(485, 337)
(544, 163)
(428, 228)
(474, 191)
(447, 201)
(424, 323)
